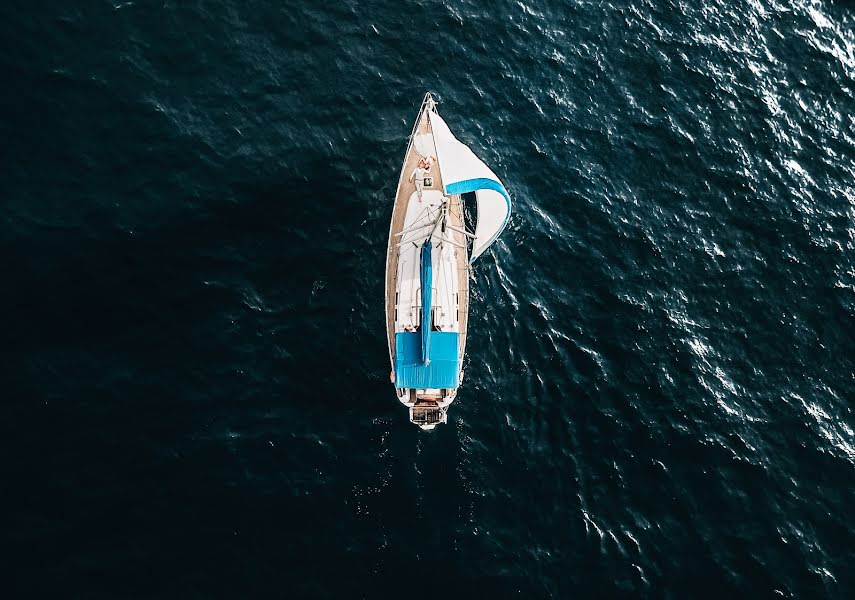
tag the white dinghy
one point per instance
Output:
(427, 263)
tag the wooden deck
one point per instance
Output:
(405, 190)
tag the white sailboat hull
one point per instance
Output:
(414, 216)
(427, 263)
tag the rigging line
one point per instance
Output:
(426, 209)
(438, 216)
(427, 224)
(442, 238)
(455, 204)
(435, 147)
(415, 226)
(428, 219)
(463, 231)
(448, 286)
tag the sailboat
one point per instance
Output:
(428, 262)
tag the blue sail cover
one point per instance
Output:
(427, 292)
(412, 373)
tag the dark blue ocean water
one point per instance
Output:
(659, 382)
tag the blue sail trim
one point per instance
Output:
(427, 293)
(482, 183)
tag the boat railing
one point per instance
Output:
(427, 102)
(464, 324)
(427, 416)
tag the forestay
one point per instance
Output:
(464, 172)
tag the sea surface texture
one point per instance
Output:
(658, 395)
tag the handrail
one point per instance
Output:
(427, 102)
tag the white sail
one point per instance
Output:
(464, 172)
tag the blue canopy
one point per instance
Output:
(412, 372)
(427, 285)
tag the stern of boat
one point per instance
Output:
(428, 416)
(427, 286)
(428, 408)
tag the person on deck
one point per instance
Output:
(427, 162)
(418, 177)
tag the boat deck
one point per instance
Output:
(405, 190)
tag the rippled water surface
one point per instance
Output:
(659, 380)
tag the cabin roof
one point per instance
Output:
(411, 372)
